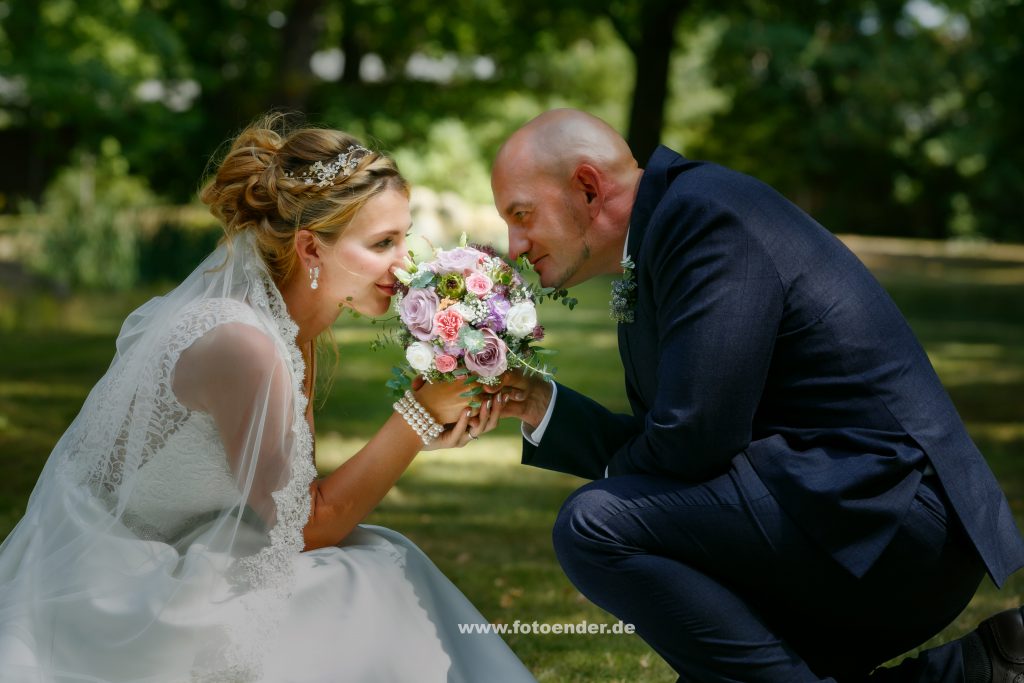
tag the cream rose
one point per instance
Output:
(521, 319)
(420, 356)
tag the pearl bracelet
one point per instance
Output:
(421, 421)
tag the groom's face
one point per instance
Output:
(544, 225)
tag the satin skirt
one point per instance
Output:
(372, 609)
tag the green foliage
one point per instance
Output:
(556, 295)
(874, 118)
(172, 251)
(871, 117)
(448, 159)
(88, 226)
(400, 381)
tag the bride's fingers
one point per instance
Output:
(460, 428)
(487, 419)
(453, 436)
(481, 417)
(495, 413)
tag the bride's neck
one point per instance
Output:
(306, 310)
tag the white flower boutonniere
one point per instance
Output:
(624, 293)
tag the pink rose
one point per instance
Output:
(490, 361)
(447, 324)
(445, 363)
(479, 284)
(462, 260)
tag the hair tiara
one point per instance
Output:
(322, 175)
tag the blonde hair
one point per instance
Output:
(257, 187)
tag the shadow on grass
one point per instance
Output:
(486, 520)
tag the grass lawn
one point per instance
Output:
(482, 517)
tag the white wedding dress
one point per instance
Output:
(155, 548)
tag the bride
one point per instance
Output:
(178, 531)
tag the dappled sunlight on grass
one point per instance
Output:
(484, 518)
(959, 363)
(994, 431)
(21, 390)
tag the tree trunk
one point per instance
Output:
(298, 42)
(351, 46)
(652, 51)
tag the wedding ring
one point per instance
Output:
(472, 435)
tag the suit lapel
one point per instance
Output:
(636, 340)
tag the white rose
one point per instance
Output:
(521, 319)
(467, 312)
(420, 356)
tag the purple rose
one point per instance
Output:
(497, 310)
(417, 311)
(490, 360)
(461, 260)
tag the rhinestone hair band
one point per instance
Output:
(322, 175)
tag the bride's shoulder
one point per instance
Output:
(210, 312)
(218, 329)
(229, 349)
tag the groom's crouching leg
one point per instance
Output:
(624, 543)
(580, 534)
(588, 547)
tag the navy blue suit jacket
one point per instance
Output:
(757, 331)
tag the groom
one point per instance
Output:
(794, 497)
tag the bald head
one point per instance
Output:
(565, 184)
(558, 141)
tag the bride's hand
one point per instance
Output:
(443, 400)
(470, 428)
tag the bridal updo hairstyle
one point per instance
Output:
(258, 187)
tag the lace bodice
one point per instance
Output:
(218, 498)
(187, 480)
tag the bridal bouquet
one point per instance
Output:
(468, 314)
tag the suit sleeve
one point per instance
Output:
(581, 436)
(718, 300)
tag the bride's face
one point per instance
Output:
(356, 270)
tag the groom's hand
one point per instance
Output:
(527, 397)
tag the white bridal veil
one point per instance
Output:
(144, 549)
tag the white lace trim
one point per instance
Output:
(272, 566)
(271, 571)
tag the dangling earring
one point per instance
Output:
(314, 277)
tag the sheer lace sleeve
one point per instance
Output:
(235, 374)
(178, 495)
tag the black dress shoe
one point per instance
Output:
(1002, 637)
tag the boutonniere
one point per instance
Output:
(624, 293)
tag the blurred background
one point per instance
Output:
(898, 125)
